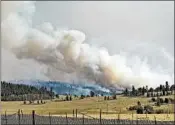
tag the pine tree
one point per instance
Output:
(133, 91)
(167, 87)
(92, 93)
(143, 90)
(126, 93)
(70, 98)
(105, 98)
(67, 98)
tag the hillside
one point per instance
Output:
(17, 92)
(68, 88)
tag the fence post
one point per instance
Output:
(119, 117)
(76, 113)
(6, 117)
(155, 120)
(132, 118)
(107, 109)
(33, 117)
(100, 116)
(22, 113)
(19, 122)
(114, 121)
(66, 119)
(50, 118)
(83, 119)
(137, 120)
(73, 113)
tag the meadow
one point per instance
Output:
(90, 106)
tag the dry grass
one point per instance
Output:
(90, 105)
(159, 117)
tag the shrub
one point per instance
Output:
(171, 100)
(148, 95)
(24, 102)
(168, 93)
(30, 102)
(157, 103)
(114, 97)
(148, 109)
(139, 110)
(133, 107)
(153, 99)
(159, 111)
(166, 100)
(161, 100)
(138, 103)
(57, 96)
(82, 97)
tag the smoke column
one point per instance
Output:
(67, 51)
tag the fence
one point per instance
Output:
(19, 118)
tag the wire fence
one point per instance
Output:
(77, 118)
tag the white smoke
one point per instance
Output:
(66, 51)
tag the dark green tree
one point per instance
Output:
(126, 92)
(114, 96)
(143, 90)
(104, 97)
(70, 98)
(82, 97)
(92, 93)
(133, 91)
(67, 97)
(167, 87)
(139, 90)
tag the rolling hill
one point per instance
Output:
(67, 88)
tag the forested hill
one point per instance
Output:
(12, 92)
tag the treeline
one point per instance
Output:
(161, 90)
(69, 97)
(19, 92)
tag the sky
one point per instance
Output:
(151, 22)
(138, 29)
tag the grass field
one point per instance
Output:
(91, 106)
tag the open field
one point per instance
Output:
(90, 106)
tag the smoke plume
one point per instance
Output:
(66, 51)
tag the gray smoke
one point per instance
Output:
(66, 51)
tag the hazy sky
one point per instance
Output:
(113, 22)
(141, 28)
